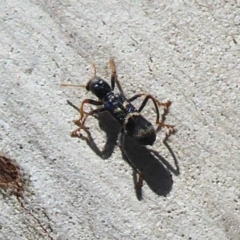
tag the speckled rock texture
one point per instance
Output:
(186, 52)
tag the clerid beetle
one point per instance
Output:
(122, 109)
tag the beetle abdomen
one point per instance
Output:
(140, 129)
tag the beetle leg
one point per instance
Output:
(121, 138)
(166, 105)
(156, 103)
(80, 122)
(114, 78)
(89, 101)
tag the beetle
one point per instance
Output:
(124, 112)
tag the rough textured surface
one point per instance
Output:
(184, 52)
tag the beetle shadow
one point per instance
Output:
(108, 125)
(155, 168)
(111, 128)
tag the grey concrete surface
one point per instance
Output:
(184, 51)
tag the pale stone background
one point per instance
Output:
(184, 51)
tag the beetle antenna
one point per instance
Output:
(94, 70)
(73, 85)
